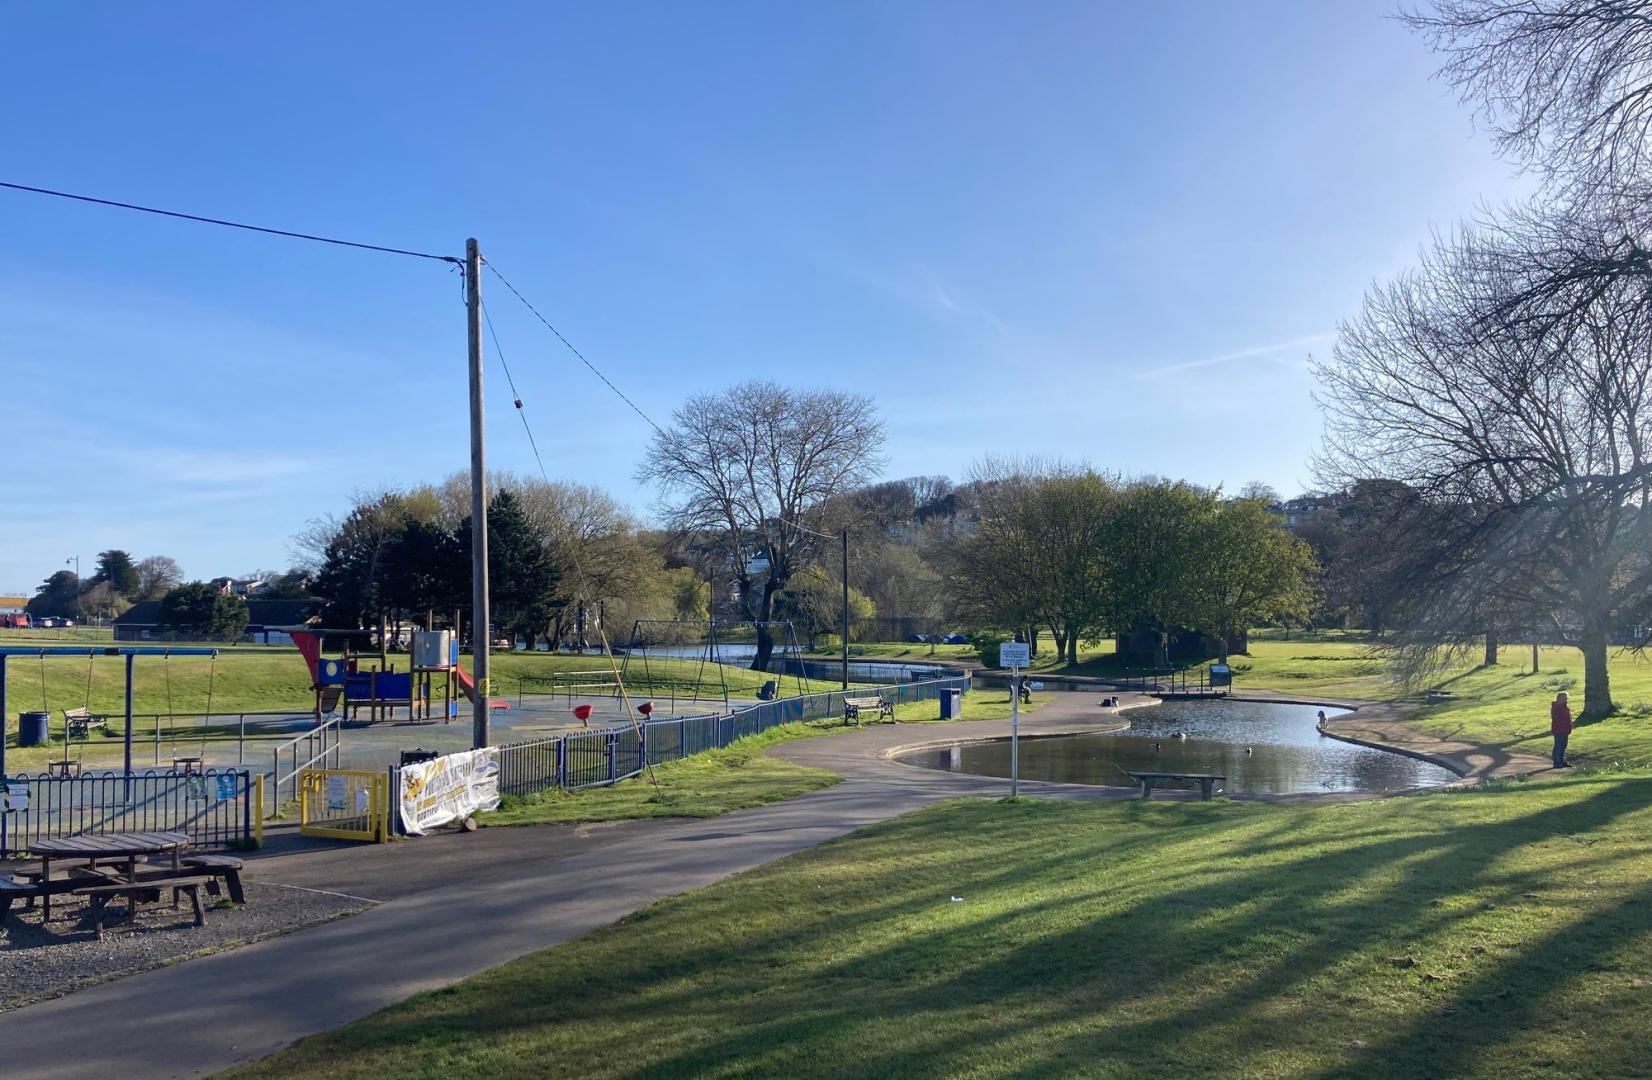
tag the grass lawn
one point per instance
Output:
(1504, 705)
(720, 781)
(1504, 932)
(1509, 706)
(716, 782)
(255, 678)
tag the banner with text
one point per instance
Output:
(446, 789)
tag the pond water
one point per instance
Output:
(1286, 755)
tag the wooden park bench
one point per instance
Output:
(854, 706)
(78, 723)
(145, 891)
(1207, 781)
(227, 867)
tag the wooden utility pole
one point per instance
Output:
(845, 537)
(480, 629)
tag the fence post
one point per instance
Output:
(610, 740)
(562, 762)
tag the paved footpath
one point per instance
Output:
(458, 904)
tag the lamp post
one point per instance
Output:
(76, 560)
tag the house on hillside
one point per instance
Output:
(269, 622)
(229, 586)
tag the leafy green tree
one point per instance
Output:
(57, 597)
(102, 601)
(813, 601)
(117, 568)
(356, 556)
(424, 569)
(1248, 569)
(200, 610)
(522, 580)
(1154, 546)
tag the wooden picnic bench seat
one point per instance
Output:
(1207, 781)
(227, 867)
(854, 706)
(147, 891)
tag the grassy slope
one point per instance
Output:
(705, 785)
(720, 781)
(1505, 932)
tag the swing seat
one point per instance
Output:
(66, 769)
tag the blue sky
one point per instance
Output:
(1102, 231)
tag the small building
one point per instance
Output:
(269, 622)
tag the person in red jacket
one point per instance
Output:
(1560, 726)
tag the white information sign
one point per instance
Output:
(445, 789)
(1014, 654)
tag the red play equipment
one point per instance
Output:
(468, 685)
(351, 682)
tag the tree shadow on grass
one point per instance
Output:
(1162, 975)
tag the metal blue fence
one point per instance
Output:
(215, 807)
(587, 759)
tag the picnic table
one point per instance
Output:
(96, 857)
(1207, 781)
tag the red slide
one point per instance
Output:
(468, 685)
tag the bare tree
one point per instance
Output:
(752, 466)
(1531, 446)
(1565, 84)
(157, 575)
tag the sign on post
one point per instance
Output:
(1015, 655)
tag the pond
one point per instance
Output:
(1262, 749)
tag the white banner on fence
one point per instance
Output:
(447, 789)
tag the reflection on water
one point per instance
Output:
(1261, 749)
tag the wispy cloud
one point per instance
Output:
(1252, 352)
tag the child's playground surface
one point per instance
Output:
(233, 709)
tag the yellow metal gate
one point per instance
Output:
(344, 804)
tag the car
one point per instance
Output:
(955, 639)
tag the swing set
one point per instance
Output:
(707, 641)
(79, 722)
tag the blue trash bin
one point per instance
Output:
(32, 728)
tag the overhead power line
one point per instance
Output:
(515, 396)
(570, 345)
(231, 224)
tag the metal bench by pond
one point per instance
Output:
(1148, 780)
(880, 708)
